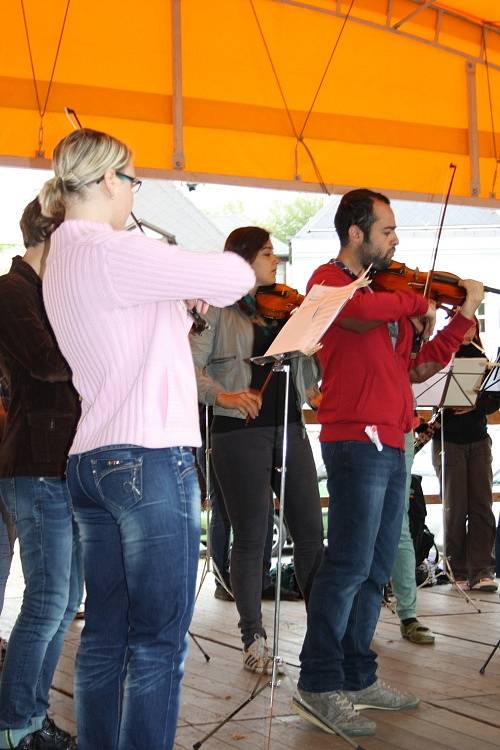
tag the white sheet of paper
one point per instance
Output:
(462, 384)
(309, 322)
(491, 383)
(430, 392)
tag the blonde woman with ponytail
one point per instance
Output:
(116, 302)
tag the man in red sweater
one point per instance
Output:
(366, 409)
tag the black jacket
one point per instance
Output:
(44, 407)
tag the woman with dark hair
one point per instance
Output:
(468, 484)
(247, 433)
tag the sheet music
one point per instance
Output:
(306, 326)
(491, 383)
(455, 386)
(430, 392)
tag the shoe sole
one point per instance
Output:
(267, 670)
(423, 642)
(363, 706)
(310, 715)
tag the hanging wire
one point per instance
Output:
(490, 102)
(336, 44)
(299, 137)
(42, 109)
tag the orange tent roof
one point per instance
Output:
(293, 93)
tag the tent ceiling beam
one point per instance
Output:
(178, 160)
(387, 26)
(425, 5)
(475, 185)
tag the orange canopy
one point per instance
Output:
(285, 93)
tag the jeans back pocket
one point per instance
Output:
(118, 481)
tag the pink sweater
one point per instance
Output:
(114, 302)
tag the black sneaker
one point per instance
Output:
(27, 743)
(222, 593)
(269, 593)
(51, 737)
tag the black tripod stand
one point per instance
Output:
(490, 657)
(209, 565)
(263, 680)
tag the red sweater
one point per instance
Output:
(365, 380)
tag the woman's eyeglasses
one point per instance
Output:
(135, 184)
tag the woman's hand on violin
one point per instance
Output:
(247, 402)
(474, 295)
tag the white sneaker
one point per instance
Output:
(257, 657)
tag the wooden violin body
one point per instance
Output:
(444, 287)
(277, 301)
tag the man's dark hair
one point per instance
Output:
(247, 241)
(356, 208)
(36, 227)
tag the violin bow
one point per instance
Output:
(430, 273)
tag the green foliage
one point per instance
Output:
(286, 219)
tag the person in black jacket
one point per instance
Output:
(468, 483)
(41, 420)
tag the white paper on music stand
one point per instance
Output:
(455, 386)
(491, 383)
(309, 322)
(430, 392)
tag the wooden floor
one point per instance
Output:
(460, 708)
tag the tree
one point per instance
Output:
(286, 219)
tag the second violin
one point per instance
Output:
(277, 301)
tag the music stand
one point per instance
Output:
(300, 336)
(455, 386)
(491, 384)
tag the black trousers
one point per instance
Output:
(247, 463)
(470, 523)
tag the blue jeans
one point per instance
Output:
(7, 538)
(41, 509)
(138, 511)
(364, 525)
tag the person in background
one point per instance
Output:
(403, 578)
(468, 484)
(40, 424)
(247, 435)
(119, 304)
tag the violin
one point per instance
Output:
(443, 288)
(277, 301)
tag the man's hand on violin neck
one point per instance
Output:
(247, 402)
(474, 295)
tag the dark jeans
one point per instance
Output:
(470, 522)
(366, 490)
(497, 549)
(138, 511)
(248, 463)
(50, 556)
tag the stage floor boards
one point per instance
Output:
(460, 708)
